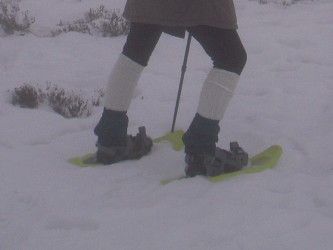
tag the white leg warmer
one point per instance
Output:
(122, 82)
(217, 91)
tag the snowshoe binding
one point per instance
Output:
(135, 147)
(221, 162)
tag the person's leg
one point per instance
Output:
(229, 58)
(111, 130)
(223, 46)
(141, 41)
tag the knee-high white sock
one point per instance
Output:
(122, 82)
(217, 91)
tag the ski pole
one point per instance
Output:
(181, 81)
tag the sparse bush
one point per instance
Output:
(98, 21)
(97, 97)
(12, 19)
(281, 2)
(66, 103)
(25, 96)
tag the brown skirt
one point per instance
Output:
(182, 13)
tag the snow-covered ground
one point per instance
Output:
(284, 97)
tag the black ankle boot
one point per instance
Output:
(113, 144)
(112, 128)
(201, 136)
(202, 155)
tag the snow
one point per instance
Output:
(284, 97)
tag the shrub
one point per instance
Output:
(12, 19)
(281, 2)
(26, 96)
(96, 100)
(66, 103)
(98, 21)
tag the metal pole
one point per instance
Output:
(181, 81)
